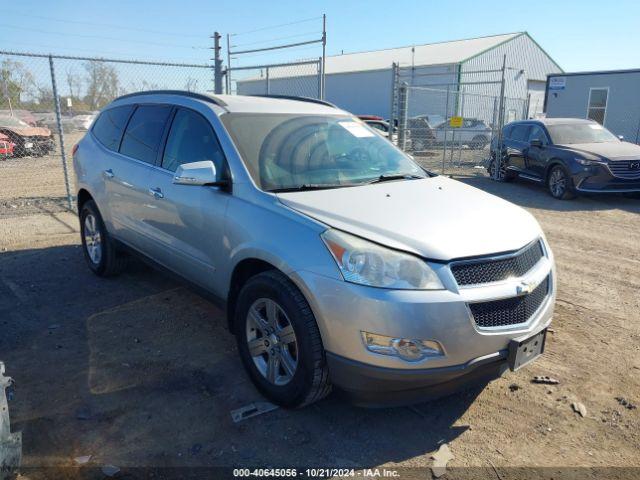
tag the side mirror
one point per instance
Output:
(198, 173)
(536, 143)
(621, 137)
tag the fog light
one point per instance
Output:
(411, 350)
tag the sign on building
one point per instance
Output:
(557, 83)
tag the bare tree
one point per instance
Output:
(103, 84)
(74, 83)
(17, 83)
(191, 85)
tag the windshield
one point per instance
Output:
(567, 134)
(289, 151)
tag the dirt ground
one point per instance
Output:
(138, 371)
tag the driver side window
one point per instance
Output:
(191, 139)
(537, 133)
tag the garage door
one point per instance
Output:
(536, 89)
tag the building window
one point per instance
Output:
(598, 104)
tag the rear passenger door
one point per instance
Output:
(131, 201)
(516, 145)
(187, 221)
(536, 159)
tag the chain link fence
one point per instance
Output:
(48, 102)
(447, 119)
(301, 79)
(451, 131)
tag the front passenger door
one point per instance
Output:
(188, 220)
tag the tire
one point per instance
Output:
(503, 175)
(478, 142)
(99, 250)
(290, 319)
(559, 183)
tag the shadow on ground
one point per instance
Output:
(139, 371)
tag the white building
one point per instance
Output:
(361, 82)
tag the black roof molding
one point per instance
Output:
(300, 99)
(184, 93)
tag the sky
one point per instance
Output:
(579, 35)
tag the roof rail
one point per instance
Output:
(300, 99)
(185, 93)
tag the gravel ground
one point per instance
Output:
(139, 371)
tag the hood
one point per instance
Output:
(28, 131)
(437, 218)
(608, 150)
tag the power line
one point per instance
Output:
(103, 38)
(271, 52)
(276, 26)
(121, 27)
(48, 48)
(275, 39)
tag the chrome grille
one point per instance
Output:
(494, 270)
(510, 311)
(629, 169)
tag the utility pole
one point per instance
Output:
(324, 56)
(228, 74)
(217, 64)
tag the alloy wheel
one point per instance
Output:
(92, 239)
(557, 182)
(272, 341)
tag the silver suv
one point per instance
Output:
(338, 259)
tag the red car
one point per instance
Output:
(6, 147)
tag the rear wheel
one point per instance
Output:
(279, 341)
(99, 250)
(559, 183)
(498, 171)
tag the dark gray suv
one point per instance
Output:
(568, 156)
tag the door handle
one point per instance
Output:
(108, 173)
(156, 193)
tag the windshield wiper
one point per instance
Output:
(389, 178)
(311, 186)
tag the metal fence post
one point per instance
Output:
(56, 100)
(320, 94)
(394, 93)
(403, 103)
(446, 129)
(268, 86)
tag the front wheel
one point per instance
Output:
(279, 341)
(559, 183)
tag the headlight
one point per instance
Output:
(588, 162)
(367, 263)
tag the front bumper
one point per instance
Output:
(599, 179)
(343, 310)
(371, 386)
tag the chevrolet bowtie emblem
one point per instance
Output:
(525, 288)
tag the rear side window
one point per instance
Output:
(110, 124)
(144, 133)
(520, 133)
(191, 139)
